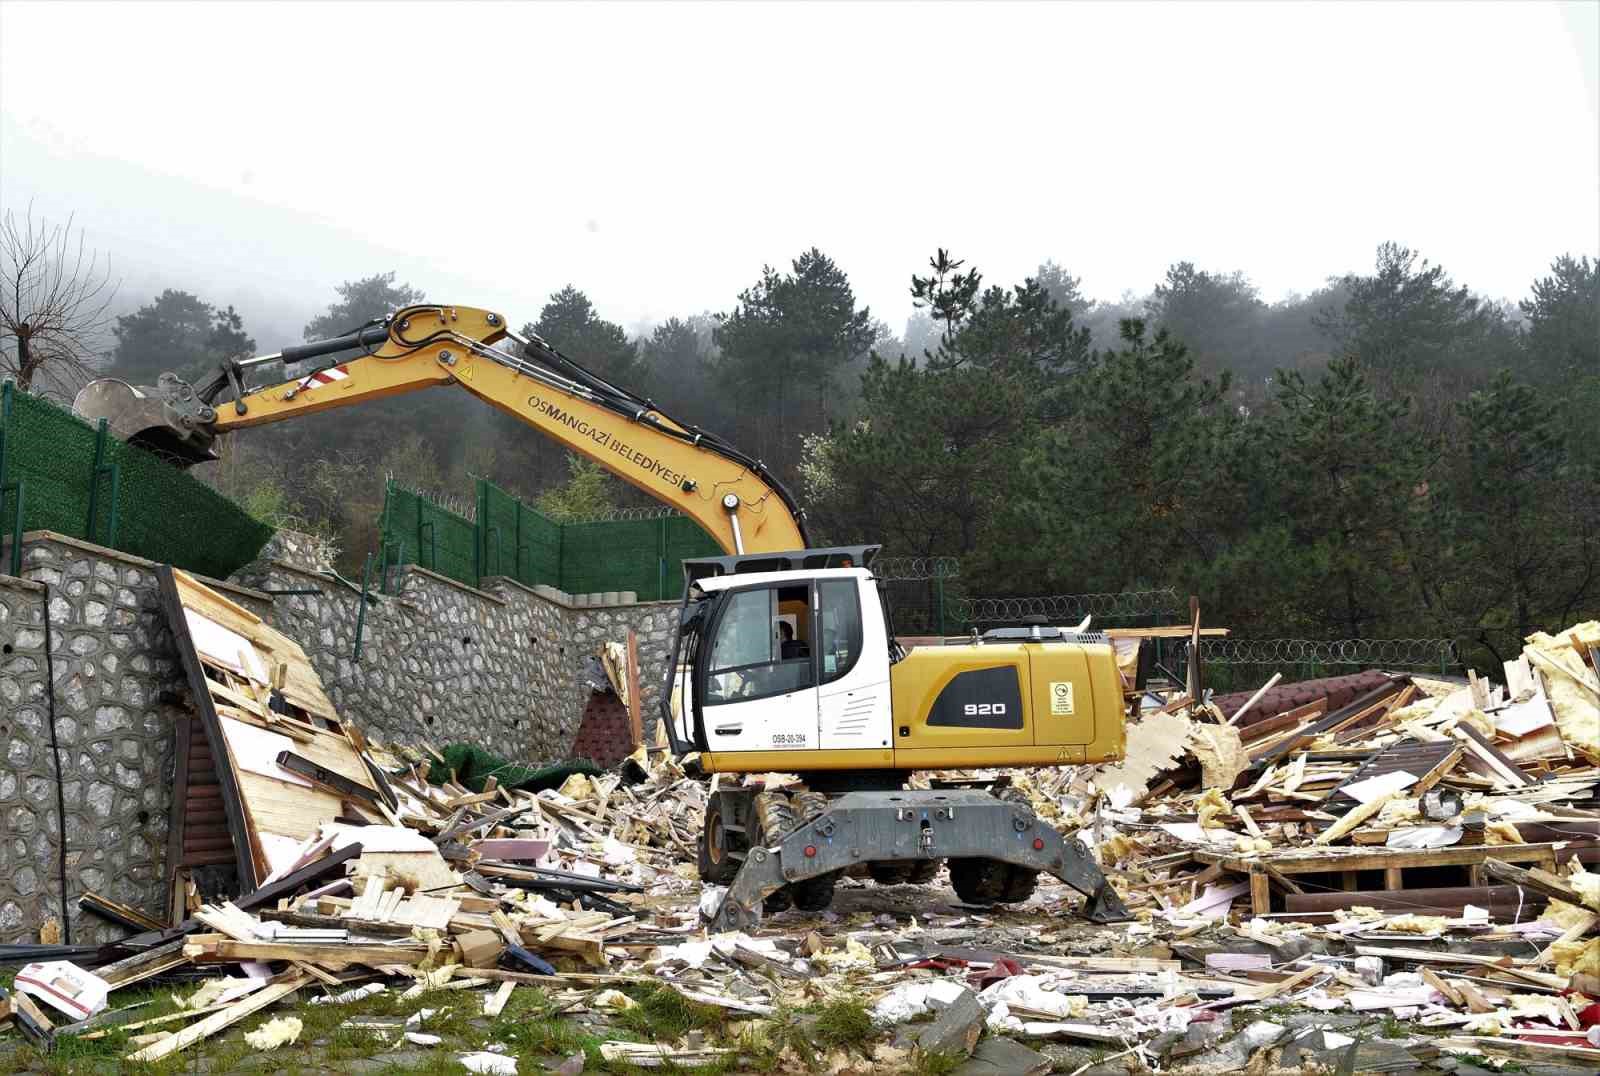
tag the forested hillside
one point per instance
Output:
(1391, 456)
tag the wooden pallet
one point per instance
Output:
(1264, 869)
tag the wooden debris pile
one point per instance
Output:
(1412, 773)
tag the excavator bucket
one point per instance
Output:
(167, 419)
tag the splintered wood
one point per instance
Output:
(1411, 773)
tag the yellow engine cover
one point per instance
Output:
(1007, 704)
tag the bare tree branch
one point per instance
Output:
(54, 298)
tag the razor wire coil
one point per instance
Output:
(910, 569)
(1125, 603)
(1366, 652)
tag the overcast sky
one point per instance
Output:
(657, 155)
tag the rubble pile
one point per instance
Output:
(1420, 856)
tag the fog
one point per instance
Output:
(657, 156)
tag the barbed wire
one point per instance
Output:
(465, 507)
(1369, 652)
(908, 569)
(1067, 607)
(613, 515)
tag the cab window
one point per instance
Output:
(839, 617)
(760, 646)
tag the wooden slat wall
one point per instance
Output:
(205, 823)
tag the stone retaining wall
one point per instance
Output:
(502, 667)
(115, 675)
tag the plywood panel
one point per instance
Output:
(268, 810)
(287, 810)
(301, 687)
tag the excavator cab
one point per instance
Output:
(779, 653)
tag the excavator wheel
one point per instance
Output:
(813, 894)
(924, 871)
(774, 817)
(979, 881)
(1020, 882)
(891, 871)
(717, 865)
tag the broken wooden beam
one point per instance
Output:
(1537, 880)
(121, 914)
(336, 783)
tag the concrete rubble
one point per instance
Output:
(1405, 881)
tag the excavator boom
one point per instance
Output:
(732, 496)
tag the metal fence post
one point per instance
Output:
(101, 467)
(433, 542)
(7, 393)
(516, 539)
(361, 612)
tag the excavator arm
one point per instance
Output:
(732, 496)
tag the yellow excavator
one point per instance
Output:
(785, 659)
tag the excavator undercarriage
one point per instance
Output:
(775, 849)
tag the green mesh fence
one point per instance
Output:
(79, 481)
(417, 531)
(511, 539)
(517, 541)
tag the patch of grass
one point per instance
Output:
(936, 1064)
(441, 1063)
(784, 1032)
(665, 1014)
(1394, 1028)
(844, 1022)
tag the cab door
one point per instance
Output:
(853, 707)
(755, 699)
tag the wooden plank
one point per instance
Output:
(1476, 1002)
(1337, 859)
(496, 1002)
(293, 811)
(1341, 718)
(330, 780)
(1353, 819)
(635, 718)
(1171, 631)
(214, 1023)
(329, 956)
(1508, 771)
(301, 687)
(122, 914)
(1429, 956)
(1253, 699)
(1536, 880)
(470, 799)
(1259, 730)
(1581, 1057)
(1290, 983)
(1260, 893)
(1451, 994)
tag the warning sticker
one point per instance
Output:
(1061, 696)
